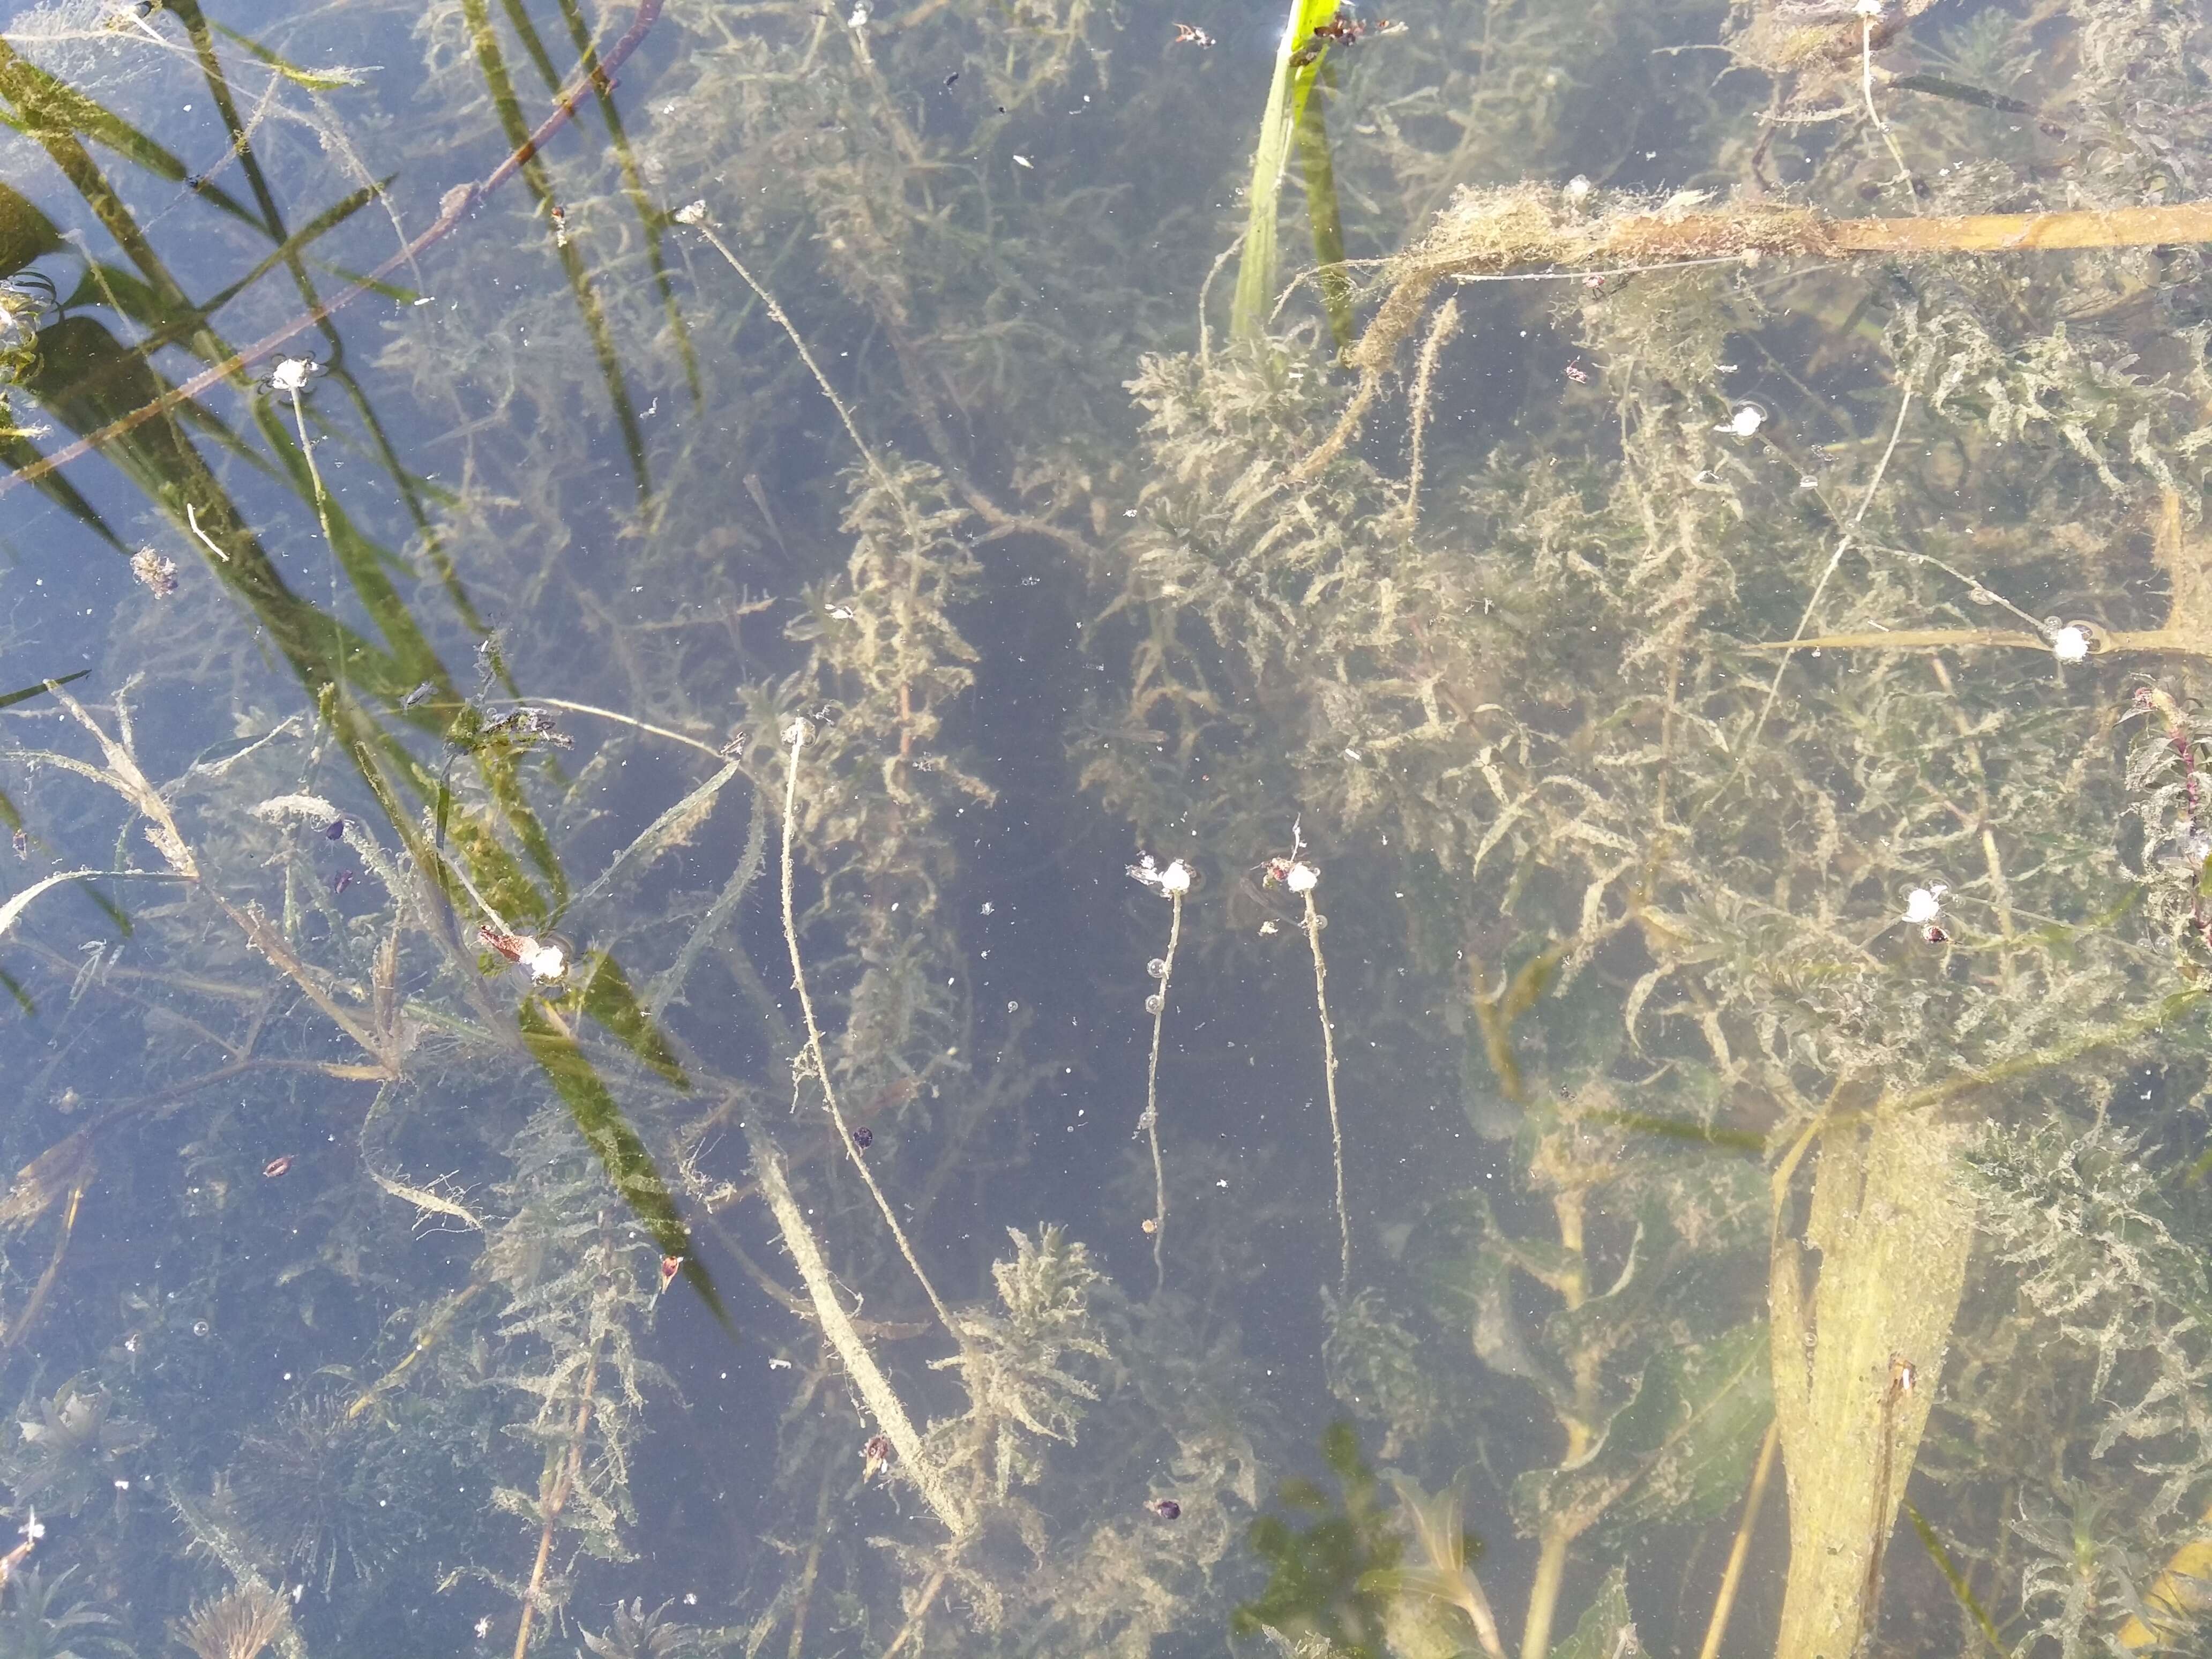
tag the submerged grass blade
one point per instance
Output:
(30, 692)
(629, 1165)
(1322, 213)
(1956, 1579)
(539, 180)
(53, 111)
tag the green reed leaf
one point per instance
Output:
(599, 1117)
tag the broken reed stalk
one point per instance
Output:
(795, 737)
(883, 1404)
(1518, 231)
(1328, 1053)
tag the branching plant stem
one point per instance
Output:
(796, 738)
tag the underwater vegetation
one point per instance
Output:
(42, 1617)
(778, 885)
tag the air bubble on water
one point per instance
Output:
(1013, 1007)
(1157, 968)
(1154, 1003)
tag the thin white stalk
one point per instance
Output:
(795, 736)
(1335, 1122)
(1151, 1123)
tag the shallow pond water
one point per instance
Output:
(1032, 827)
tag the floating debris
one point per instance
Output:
(156, 571)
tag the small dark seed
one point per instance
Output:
(337, 831)
(1166, 1509)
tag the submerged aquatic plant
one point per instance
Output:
(637, 1634)
(1442, 1566)
(312, 1491)
(40, 1618)
(236, 1626)
(74, 1450)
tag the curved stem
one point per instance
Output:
(796, 737)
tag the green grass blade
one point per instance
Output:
(25, 695)
(1321, 212)
(539, 180)
(51, 110)
(629, 1165)
(1955, 1578)
(1286, 100)
(24, 233)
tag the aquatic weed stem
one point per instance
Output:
(1329, 1055)
(795, 737)
(1151, 1120)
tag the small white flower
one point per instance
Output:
(796, 733)
(1301, 878)
(32, 1528)
(1870, 7)
(544, 960)
(291, 373)
(2070, 643)
(1579, 190)
(691, 213)
(858, 20)
(1170, 881)
(1924, 904)
(1746, 420)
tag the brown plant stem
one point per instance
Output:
(572, 1464)
(807, 1575)
(1892, 1236)
(1560, 1532)
(920, 1611)
(1732, 1576)
(1520, 231)
(868, 1379)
